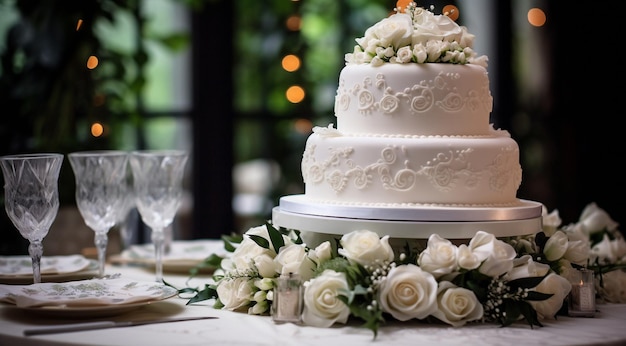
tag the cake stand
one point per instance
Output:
(328, 220)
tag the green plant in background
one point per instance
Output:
(48, 95)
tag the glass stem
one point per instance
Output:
(158, 239)
(101, 240)
(35, 250)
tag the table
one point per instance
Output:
(233, 328)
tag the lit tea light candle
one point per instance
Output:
(582, 298)
(287, 304)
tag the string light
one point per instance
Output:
(295, 94)
(536, 17)
(92, 62)
(451, 11)
(97, 129)
(291, 63)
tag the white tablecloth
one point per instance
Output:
(607, 328)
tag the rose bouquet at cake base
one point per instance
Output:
(502, 281)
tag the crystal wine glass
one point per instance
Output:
(31, 195)
(157, 179)
(101, 187)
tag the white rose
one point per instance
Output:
(408, 292)
(321, 253)
(420, 53)
(482, 60)
(579, 247)
(293, 259)
(404, 55)
(376, 61)
(577, 252)
(466, 258)
(439, 257)
(235, 293)
(393, 31)
(496, 255)
(457, 305)
(594, 219)
(551, 221)
(556, 246)
(614, 286)
(606, 251)
(266, 266)
(430, 27)
(556, 285)
(322, 307)
(433, 49)
(524, 267)
(366, 248)
(243, 258)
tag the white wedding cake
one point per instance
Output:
(413, 152)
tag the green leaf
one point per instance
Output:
(208, 292)
(538, 296)
(530, 314)
(260, 241)
(230, 240)
(275, 236)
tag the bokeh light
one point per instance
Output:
(303, 126)
(97, 129)
(79, 24)
(294, 22)
(291, 63)
(402, 4)
(451, 11)
(92, 62)
(536, 17)
(295, 94)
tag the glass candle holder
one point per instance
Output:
(582, 297)
(288, 295)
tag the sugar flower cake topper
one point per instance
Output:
(415, 35)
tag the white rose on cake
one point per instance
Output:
(415, 35)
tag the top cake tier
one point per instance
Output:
(434, 99)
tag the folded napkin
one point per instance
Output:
(22, 265)
(85, 293)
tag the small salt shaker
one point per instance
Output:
(288, 295)
(582, 297)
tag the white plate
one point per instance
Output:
(184, 255)
(96, 311)
(87, 273)
(22, 265)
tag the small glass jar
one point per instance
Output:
(582, 297)
(288, 295)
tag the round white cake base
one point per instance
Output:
(294, 212)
